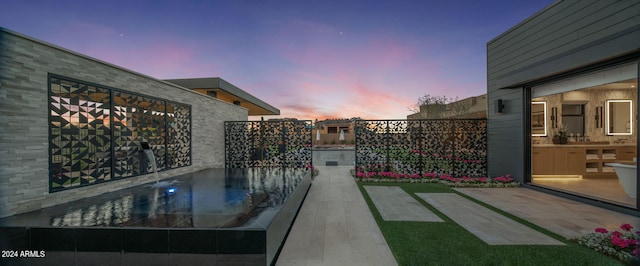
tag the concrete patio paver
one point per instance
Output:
(565, 217)
(396, 205)
(492, 227)
(334, 226)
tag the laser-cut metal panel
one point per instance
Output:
(437, 149)
(371, 145)
(272, 135)
(403, 143)
(137, 118)
(470, 157)
(237, 142)
(455, 147)
(79, 129)
(267, 144)
(297, 140)
(94, 132)
(179, 135)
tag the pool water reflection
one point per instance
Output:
(210, 217)
(211, 198)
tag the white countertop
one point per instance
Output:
(569, 145)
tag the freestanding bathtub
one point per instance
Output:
(627, 177)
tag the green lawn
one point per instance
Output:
(431, 243)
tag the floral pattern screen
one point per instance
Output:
(285, 143)
(453, 147)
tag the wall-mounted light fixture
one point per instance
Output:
(554, 117)
(499, 106)
(599, 118)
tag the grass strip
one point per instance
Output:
(437, 243)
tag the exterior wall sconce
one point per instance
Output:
(499, 106)
(236, 102)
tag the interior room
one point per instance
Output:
(584, 135)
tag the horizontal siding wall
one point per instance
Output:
(565, 36)
(568, 35)
(24, 66)
(504, 135)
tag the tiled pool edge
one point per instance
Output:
(72, 245)
(281, 225)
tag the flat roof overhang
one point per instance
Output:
(227, 92)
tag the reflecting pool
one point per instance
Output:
(211, 198)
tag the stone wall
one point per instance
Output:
(24, 155)
(343, 157)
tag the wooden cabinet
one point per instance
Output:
(626, 153)
(557, 161)
(586, 160)
(570, 161)
(599, 156)
(542, 161)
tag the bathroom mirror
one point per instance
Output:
(539, 119)
(619, 117)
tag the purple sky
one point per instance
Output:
(310, 59)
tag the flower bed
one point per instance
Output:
(447, 180)
(624, 246)
(314, 171)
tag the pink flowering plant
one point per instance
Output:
(314, 171)
(504, 179)
(623, 245)
(444, 179)
(388, 176)
(486, 182)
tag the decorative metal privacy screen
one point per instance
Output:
(454, 147)
(94, 133)
(285, 143)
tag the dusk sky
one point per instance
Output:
(311, 59)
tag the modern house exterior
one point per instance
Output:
(72, 126)
(221, 89)
(330, 130)
(562, 91)
(472, 107)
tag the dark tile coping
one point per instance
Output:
(75, 244)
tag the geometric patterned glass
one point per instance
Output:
(94, 133)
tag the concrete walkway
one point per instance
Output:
(335, 226)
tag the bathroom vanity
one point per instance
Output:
(587, 160)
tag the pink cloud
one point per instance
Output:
(314, 71)
(155, 54)
(342, 99)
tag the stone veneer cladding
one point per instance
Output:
(24, 67)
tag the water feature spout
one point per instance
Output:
(146, 148)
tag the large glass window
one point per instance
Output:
(95, 133)
(580, 155)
